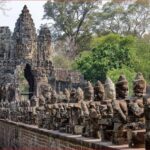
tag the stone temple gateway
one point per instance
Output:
(30, 53)
(45, 107)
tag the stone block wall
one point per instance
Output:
(17, 135)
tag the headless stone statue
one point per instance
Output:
(120, 111)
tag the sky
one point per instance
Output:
(14, 10)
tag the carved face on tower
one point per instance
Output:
(122, 87)
(139, 85)
(99, 91)
(25, 35)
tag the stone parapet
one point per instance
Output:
(19, 135)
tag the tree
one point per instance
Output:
(124, 18)
(60, 61)
(127, 71)
(71, 22)
(142, 56)
(112, 52)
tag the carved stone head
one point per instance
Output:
(122, 87)
(79, 95)
(73, 95)
(110, 92)
(46, 92)
(67, 95)
(53, 97)
(99, 91)
(139, 85)
(89, 92)
(34, 101)
(41, 101)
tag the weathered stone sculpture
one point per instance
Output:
(73, 96)
(53, 97)
(120, 111)
(110, 92)
(99, 92)
(77, 112)
(136, 113)
(33, 113)
(66, 96)
(41, 111)
(146, 100)
(107, 111)
(95, 116)
(75, 121)
(55, 116)
(89, 92)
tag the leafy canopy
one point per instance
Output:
(111, 52)
(71, 22)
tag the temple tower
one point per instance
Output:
(5, 43)
(25, 37)
(44, 45)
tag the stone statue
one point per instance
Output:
(53, 97)
(56, 118)
(89, 92)
(46, 93)
(107, 110)
(73, 96)
(66, 96)
(136, 113)
(75, 123)
(33, 113)
(146, 101)
(99, 92)
(95, 116)
(120, 111)
(41, 111)
(110, 92)
(79, 95)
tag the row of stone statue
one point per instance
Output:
(103, 111)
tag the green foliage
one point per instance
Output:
(123, 17)
(23, 84)
(112, 52)
(142, 56)
(61, 61)
(127, 41)
(84, 64)
(128, 72)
